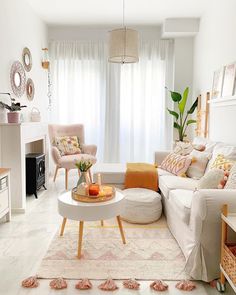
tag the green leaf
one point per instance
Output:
(193, 107)
(177, 126)
(173, 113)
(191, 122)
(176, 97)
(183, 101)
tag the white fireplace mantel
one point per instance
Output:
(16, 141)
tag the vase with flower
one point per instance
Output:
(84, 181)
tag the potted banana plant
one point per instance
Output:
(180, 114)
(14, 108)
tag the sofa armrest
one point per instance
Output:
(207, 204)
(89, 149)
(159, 156)
(55, 155)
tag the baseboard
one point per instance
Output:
(18, 210)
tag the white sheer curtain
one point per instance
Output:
(123, 107)
(143, 103)
(79, 87)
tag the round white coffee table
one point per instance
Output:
(68, 208)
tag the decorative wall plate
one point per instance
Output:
(27, 59)
(18, 79)
(30, 89)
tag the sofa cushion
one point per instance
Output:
(169, 182)
(231, 182)
(181, 201)
(228, 151)
(198, 166)
(209, 145)
(176, 164)
(162, 172)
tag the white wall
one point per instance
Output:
(20, 27)
(83, 33)
(215, 46)
(183, 72)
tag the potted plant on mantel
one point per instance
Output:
(13, 115)
(181, 116)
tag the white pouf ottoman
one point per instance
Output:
(141, 205)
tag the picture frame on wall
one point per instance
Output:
(217, 83)
(229, 80)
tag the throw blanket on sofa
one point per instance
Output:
(141, 175)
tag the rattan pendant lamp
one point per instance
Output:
(123, 44)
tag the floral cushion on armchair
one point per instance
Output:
(67, 145)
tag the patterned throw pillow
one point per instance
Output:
(198, 166)
(67, 145)
(231, 182)
(183, 148)
(213, 179)
(221, 162)
(176, 164)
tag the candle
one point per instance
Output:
(99, 179)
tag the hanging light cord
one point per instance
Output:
(124, 54)
(123, 13)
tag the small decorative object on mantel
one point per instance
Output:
(217, 83)
(30, 89)
(13, 114)
(18, 79)
(35, 115)
(182, 122)
(229, 80)
(27, 59)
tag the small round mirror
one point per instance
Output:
(30, 89)
(27, 59)
(17, 79)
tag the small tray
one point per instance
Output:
(93, 199)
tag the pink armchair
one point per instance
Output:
(68, 162)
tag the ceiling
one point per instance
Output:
(109, 12)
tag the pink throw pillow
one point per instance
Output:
(176, 164)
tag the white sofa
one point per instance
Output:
(193, 216)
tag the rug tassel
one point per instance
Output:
(159, 285)
(58, 284)
(131, 284)
(185, 285)
(84, 284)
(108, 285)
(30, 282)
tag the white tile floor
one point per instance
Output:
(24, 241)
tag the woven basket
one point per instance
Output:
(229, 262)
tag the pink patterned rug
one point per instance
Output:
(151, 253)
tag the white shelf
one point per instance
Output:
(228, 279)
(223, 101)
(230, 219)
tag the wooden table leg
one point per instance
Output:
(81, 228)
(121, 229)
(102, 223)
(63, 226)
